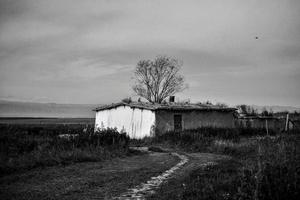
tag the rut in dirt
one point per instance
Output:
(144, 189)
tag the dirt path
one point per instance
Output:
(97, 180)
(107, 180)
(200, 160)
(188, 163)
(144, 189)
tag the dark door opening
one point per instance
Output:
(177, 122)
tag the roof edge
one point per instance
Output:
(175, 107)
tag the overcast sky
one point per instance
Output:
(85, 51)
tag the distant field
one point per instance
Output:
(32, 120)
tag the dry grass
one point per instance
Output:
(89, 180)
(260, 168)
(23, 149)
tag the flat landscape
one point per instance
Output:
(38, 164)
(90, 180)
(158, 100)
(46, 120)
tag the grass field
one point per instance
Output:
(261, 167)
(87, 180)
(38, 164)
(28, 146)
(35, 163)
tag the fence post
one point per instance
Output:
(287, 122)
(267, 127)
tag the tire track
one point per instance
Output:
(144, 189)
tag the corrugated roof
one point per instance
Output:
(170, 106)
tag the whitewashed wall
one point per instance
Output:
(136, 122)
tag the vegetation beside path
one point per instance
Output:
(260, 167)
(27, 147)
(90, 180)
(77, 164)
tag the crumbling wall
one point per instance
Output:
(194, 119)
(275, 124)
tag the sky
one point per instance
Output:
(78, 51)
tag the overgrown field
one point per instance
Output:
(24, 147)
(261, 166)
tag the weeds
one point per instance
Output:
(25, 149)
(261, 168)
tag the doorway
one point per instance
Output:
(177, 122)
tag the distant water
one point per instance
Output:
(25, 109)
(45, 121)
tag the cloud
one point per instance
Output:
(64, 45)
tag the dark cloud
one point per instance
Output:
(10, 9)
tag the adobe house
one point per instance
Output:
(141, 119)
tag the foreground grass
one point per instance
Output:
(260, 168)
(214, 182)
(96, 180)
(24, 147)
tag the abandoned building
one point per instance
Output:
(278, 122)
(140, 119)
(261, 122)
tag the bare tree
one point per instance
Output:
(158, 79)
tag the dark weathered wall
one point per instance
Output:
(194, 119)
(272, 123)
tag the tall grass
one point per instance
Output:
(261, 167)
(270, 166)
(200, 139)
(22, 149)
